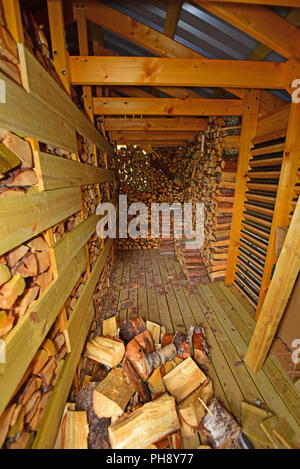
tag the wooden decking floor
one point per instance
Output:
(152, 285)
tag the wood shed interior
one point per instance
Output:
(160, 340)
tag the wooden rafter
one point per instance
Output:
(285, 194)
(261, 23)
(155, 123)
(167, 106)
(285, 274)
(13, 19)
(249, 123)
(79, 13)
(172, 17)
(153, 71)
(131, 135)
(58, 42)
(152, 40)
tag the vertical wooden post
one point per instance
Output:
(285, 194)
(58, 41)
(285, 274)
(249, 122)
(79, 13)
(13, 19)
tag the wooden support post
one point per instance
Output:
(285, 194)
(172, 17)
(79, 13)
(13, 19)
(249, 123)
(57, 33)
(286, 271)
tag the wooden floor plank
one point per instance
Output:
(142, 287)
(162, 315)
(133, 287)
(223, 309)
(177, 319)
(124, 287)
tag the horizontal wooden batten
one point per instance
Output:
(278, 3)
(272, 126)
(24, 340)
(167, 106)
(152, 136)
(37, 81)
(56, 172)
(156, 144)
(27, 116)
(153, 123)
(72, 242)
(46, 435)
(25, 216)
(153, 71)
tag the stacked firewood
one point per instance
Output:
(25, 273)
(148, 389)
(95, 246)
(75, 294)
(90, 199)
(88, 368)
(65, 226)
(191, 261)
(210, 176)
(148, 178)
(23, 415)
(53, 150)
(8, 52)
(85, 151)
(17, 172)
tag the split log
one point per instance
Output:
(27, 267)
(43, 261)
(191, 409)
(76, 430)
(182, 348)
(112, 395)
(22, 178)
(184, 379)
(107, 351)
(43, 281)
(8, 160)
(146, 425)
(5, 274)
(11, 290)
(145, 340)
(16, 254)
(20, 147)
(24, 302)
(38, 244)
(155, 381)
(5, 422)
(110, 327)
(140, 386)
(219, 426)
(129, 328)
(154, 329)
(145, 363)
(201, 350)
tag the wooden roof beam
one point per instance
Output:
(154, 41)
(153, 71)
(167, 107)
(261, 23)
(155, 123)
(143, 136)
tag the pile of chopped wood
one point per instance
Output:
(25, 273)
(155, 393)
(191, 262)
(23, 415)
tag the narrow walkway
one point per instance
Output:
(152, 285)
